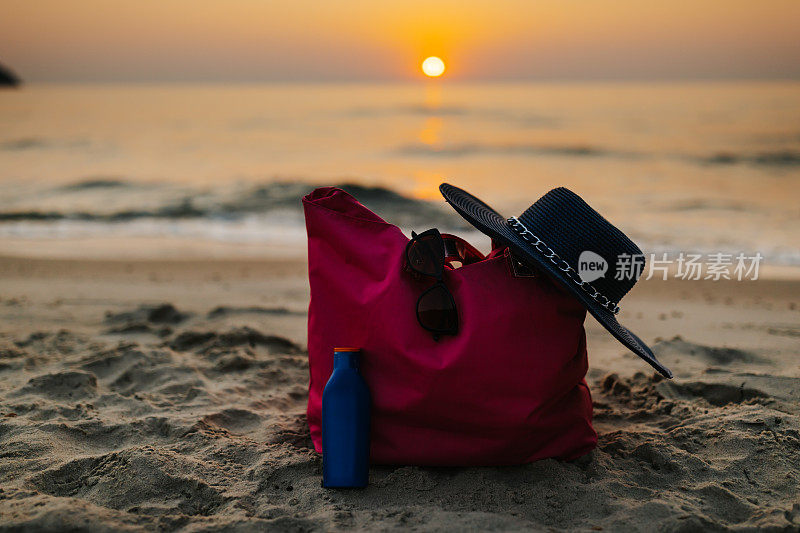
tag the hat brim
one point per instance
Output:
(491, 223)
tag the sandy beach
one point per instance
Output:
(170, 394)
(155, 245)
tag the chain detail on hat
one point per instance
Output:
(562, 265)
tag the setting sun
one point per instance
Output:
(433, 67)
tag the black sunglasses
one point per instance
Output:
(436, 308)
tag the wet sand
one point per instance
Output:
(170, 394)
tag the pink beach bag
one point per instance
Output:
(508, 388)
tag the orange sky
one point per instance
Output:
(253, 40)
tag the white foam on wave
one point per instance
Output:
(265, 235)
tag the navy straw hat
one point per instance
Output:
(564, 237)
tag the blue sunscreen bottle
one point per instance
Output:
(345, 423)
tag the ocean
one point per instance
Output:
(151, 169)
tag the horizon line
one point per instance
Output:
(396, 81)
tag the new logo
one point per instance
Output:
(591, 266)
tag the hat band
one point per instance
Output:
(562, 265)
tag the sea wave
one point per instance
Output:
(40, 143)
(26, 143)
(287, 229)
(280, 197)
(473, 149)
(703, 204)
(98, 182)
(272, 214)
(449, 110)
(505, 116)
(780, 158)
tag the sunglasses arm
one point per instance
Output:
(457, 249)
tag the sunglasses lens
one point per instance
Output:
(436, 310)
(426, 255)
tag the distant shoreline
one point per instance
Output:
(8, 78)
